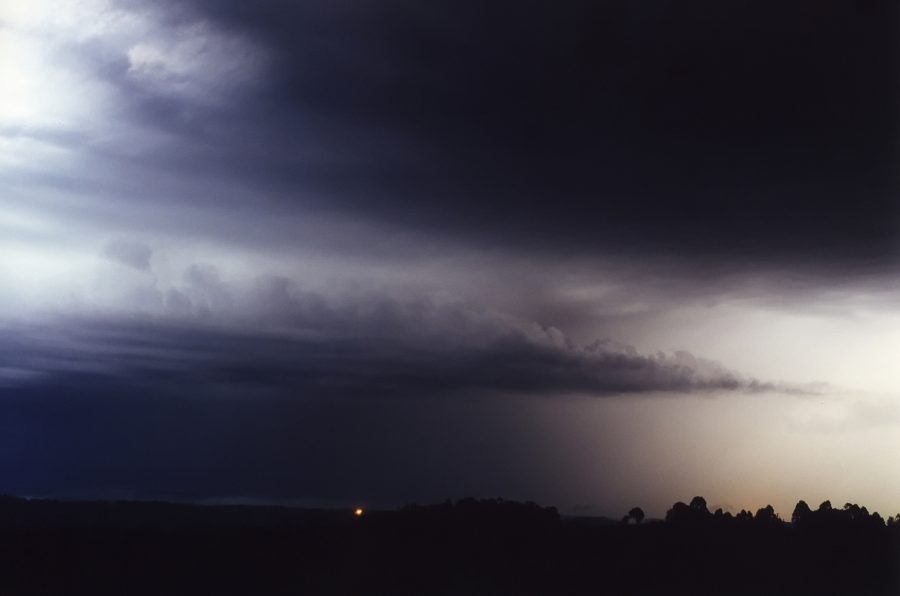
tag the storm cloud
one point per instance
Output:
(591, 129)
(611, 128)
(302, 346)
(394, 213)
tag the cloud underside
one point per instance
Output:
(587, 128)
(765, 131)
(441, 352)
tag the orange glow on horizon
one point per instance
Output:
(358, 512)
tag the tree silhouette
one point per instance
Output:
(678, 513)
(637, 514)
(699, 504)
(767, 515)
(801, 513)
(695, 513)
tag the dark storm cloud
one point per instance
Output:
(373, 348)
(622, 160)
(763, 132)
(278, 392)
(378, 400)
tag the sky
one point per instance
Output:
(591, 254)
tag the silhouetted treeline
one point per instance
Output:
(465, 547)
(826, 517)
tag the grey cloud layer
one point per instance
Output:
(273, 335)
(130, 253)
(588, 130)
(604, 129)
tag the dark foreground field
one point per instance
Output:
(467, 548)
